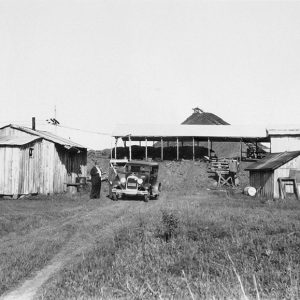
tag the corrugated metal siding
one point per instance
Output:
(265, 180)
(12, 140)
(285, 143)
(21, 131)
(273, 161)
(11, 131)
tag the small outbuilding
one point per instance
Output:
(284, 138)
(267, 172)
(38, 162)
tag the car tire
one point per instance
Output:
(146, 198)
(114, 197)
(159, 187)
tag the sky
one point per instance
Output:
(104, 62)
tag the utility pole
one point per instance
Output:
(55, 119)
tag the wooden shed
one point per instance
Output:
(38, 162)
(265, 173)
(284, 138)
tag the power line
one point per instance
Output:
(19, 121)
(83, 130)
(46, 123)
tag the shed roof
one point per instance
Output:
(47, 136)
(171, 132)
(17, 140)
(273, 161)
(284, 130)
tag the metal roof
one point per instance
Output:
(273, 161)
(48, 136)
(17, 140)
(171, 132)
(200, 117)
(284, 130)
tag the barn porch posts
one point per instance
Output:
(208, 147)
(241, 149)
(129, 138)
(116, 141)
(146, 149)
(193, 148)
(177, 149)
(161, 149)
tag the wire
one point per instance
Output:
(83, 130)
(45, 123)
(18, 122)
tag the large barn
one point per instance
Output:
(38, 162)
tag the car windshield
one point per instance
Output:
(138, 169)
(154, 171)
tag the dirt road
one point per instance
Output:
(93, 223)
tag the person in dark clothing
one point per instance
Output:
(96, 181)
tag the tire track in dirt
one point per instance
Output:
(81, 241)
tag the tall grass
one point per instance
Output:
(199, 247)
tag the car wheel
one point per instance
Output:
(159, 187)
(156, 197)
(114, 197)
(146, 198)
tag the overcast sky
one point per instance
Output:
(106, 62)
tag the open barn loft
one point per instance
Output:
(186, 133)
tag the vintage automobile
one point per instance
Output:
(134, 178)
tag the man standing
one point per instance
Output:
(96, 181)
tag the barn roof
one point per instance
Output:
(17, 140)
(199, 117)
(47, 136)
(273, 161)
(200, 132)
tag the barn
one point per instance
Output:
(284, 138)
(266, 173)
(38, 162)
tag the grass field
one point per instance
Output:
(206, 245)
(201, 244)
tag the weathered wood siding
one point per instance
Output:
(284, 171)
(285, 143)
(265, 180)
(9, 170)
(29, 177)
(47, 171)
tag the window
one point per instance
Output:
(31, 152)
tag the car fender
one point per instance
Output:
(156, 188)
